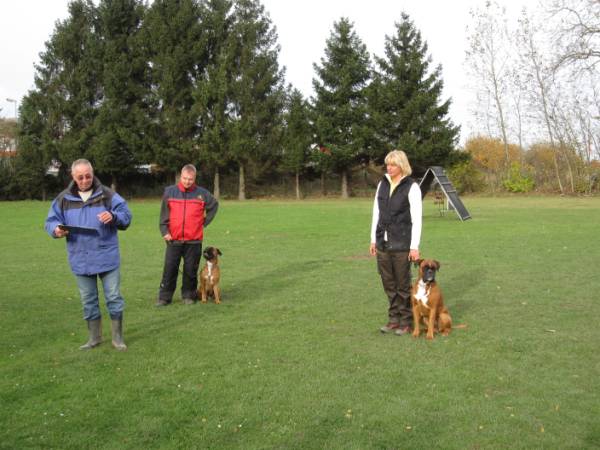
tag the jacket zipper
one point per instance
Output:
(183, 222)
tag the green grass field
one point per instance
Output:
(292, 358)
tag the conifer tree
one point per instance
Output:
(405, 103)
(57, 115)
(213, 90)
(175, 43)
(257, 93)
(297, 137)
(34, 155)
(340, 106)
(121, 135)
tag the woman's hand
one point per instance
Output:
(413, 255)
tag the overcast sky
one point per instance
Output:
(302, 26)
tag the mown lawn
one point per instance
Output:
(293, 358)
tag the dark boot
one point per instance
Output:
(117, 335)
(95, 330)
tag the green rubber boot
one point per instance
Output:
(117, 335)
(95, 330)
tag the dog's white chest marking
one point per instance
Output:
(209, 276)
(422, 293)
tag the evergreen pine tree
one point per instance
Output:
(28, 177)
(57, 115)
(405, 103)
(213, 90)
(297, 137)
(79, 79)
(121, 135)
(257, 93)
(175, 42)
(341, 115)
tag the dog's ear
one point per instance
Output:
(417, 262)
(219, 252)
(437, 264)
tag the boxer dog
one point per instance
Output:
(210, 276)
(428, 302)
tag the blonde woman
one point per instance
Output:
(395, 238)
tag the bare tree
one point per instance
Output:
(517, 101)
(8, 134)
(489, 61)
(576, 42)
(577, 33)
(538, 80)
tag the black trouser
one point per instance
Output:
(394, 268)
(189, 278)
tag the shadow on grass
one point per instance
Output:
(157, 321)
(276, 280)
(161, 322)
(456, 288)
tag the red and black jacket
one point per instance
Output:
(185, 212)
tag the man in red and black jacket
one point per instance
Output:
(185, 210)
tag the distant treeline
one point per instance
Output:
(125, 84)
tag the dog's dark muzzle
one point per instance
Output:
(428, 274)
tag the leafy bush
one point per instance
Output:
(466, 178)
(519, 179)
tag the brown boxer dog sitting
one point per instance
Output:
(428, 302)
(210, 276)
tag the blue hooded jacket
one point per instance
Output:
(96, 251)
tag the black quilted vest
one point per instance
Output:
(394, 216)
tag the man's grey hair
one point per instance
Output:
(189, 168)
(81, 162)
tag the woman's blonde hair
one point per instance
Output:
(398, 158)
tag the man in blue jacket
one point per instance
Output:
(89, 214)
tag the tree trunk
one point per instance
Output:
(570, 170)
(557, 172)
(519, 127)
(242, 187)
(217, 185)
(345, 184)
(298, 195)
(502, 123)
(113, 182)
(323, 190)
(544, 101)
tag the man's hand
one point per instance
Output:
(372, 249)
(167, 237)
(59, 232)
(105, 217)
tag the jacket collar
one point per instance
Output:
(183, 189)
(74, 190)
(387, 176)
